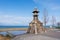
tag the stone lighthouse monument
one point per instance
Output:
(35, 26)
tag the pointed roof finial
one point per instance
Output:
(35, 10)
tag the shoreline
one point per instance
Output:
(13, 29)
(21, 29)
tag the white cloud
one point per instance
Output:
(50, 4)
(14, 20)
(56, 8)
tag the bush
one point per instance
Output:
(8, 36)
(58, 27)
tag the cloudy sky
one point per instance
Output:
(19, 12)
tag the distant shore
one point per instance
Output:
(20, 29)
(13, 29)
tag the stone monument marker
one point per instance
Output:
(35, 26)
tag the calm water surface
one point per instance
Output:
(13, 32)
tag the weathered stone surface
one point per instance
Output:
(33, 37)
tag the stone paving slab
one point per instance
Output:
(33, 37)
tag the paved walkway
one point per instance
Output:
(50, 35)
(54, 34)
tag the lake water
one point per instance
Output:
(14, 26)
(13, 32)
(17, 26)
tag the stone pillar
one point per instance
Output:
(35, 26)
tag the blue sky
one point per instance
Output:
(19, 12)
